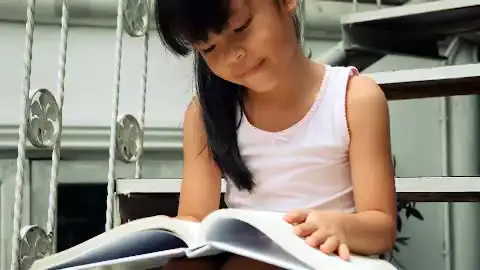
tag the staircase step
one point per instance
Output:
(383, 2)
(439, 189)
(419, 189)
(429, 82)
(412, 29)
(150, 185)
(337, 56)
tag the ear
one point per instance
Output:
(290, 5)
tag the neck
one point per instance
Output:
(301, 75)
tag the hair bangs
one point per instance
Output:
(183, 22)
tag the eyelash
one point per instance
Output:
(238, 30)
(209, 49)
(243, 27)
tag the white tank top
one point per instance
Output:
(306, 165)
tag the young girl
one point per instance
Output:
(288, 134)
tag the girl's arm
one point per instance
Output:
(372, 230)
(201, 185)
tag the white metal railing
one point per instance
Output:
(41, 125)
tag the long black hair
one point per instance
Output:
(181, 22)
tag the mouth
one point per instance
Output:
(251, 70)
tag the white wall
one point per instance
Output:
(90, 75)
(318, 47)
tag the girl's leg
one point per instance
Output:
(236, 262)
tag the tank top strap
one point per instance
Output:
(338, 78)
(335, 99)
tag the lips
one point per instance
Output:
(250, 70)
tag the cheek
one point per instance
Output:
(219, 68)
(272, 43)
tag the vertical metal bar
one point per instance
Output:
(22, 135)
(450, 53)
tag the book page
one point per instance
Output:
(249, 231)
(136, 247)
(146, 261)
(135, 238)
(224, 230)
(240, 238)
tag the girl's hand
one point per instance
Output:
(187, 218)
(321, 229)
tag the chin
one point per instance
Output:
(261, 85)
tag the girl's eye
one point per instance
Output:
(243, 27)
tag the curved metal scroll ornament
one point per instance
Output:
(135, 17)
(43, 119)
(34, 245)
(128, 138)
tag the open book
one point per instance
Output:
(150, 242)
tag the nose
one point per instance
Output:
(235, 56)
(240, 54)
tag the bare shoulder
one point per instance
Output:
(194, 106)
(365, 100)
(193, 127)
(193, 114)
(364, 90)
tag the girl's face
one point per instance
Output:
(255, 48)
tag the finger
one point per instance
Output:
(317, 238)
(344, 252)
(330, 245)
(305, 229)
(296, 216)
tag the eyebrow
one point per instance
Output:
(239, 13)
(241, 8)
(234, 10)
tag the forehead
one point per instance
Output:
(239, 12)
(236, 5)
(239, 8)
